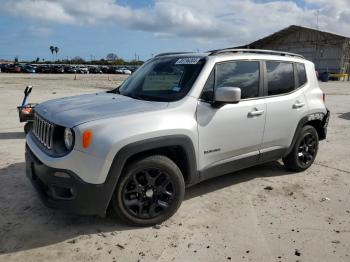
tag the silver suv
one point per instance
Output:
(181, 118)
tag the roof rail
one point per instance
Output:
(172, 53)
(253, 51)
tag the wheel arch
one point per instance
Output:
(178, 148)
(316, 122)
(318, 125)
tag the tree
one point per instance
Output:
(52, 49)
(56, 50)
(77, 60)
(37, 60)
(111, 57)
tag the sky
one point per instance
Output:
(94, 28)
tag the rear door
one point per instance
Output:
(285, 105)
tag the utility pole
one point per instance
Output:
(316, 42)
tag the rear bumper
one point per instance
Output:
(325, 122)
(64, 190)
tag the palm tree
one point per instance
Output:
(56, 51)
(52, 49)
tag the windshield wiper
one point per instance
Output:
(114, 91)
(134, 96)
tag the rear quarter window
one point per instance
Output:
(301, 74)
(280, 77)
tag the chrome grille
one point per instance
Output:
(43, 131)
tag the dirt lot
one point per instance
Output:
(305, 217)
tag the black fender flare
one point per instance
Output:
(319, 116)
(134, 148)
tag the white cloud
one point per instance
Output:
(41, 10)
(39, 31)
(221, 21)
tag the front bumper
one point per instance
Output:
(65, 190)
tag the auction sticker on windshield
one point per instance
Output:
(188, 61)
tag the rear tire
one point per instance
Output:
(304, 150)
(149, 191)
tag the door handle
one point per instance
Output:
(256, 112)
(298, 104)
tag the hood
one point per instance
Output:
(75, 110)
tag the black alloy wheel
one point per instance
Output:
(304, 151)
(307, 149)
(149, 191)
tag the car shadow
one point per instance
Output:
(12, 135)
(271, 169)
(26, 223)
(345, 116)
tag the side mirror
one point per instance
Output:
(229, 95)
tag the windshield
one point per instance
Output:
(163, 79)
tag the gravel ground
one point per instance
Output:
(263, 213)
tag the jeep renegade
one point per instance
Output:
(181, 118)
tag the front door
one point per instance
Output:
(230, 135)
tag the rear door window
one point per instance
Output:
(280, 77)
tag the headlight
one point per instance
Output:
(68, 138)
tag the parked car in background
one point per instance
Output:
(105, 69)
(118, 70)
(3, 68)
(82, 70)
(70, 69)
(27, 69)
(133, 68)
(44, 69)
(95, 70)
(13, 69)
(58, 69)
(125, 71)
(112, 70)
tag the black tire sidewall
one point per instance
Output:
(305, 131)
(28, 127)
(162, 163)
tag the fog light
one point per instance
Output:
(61, 175)
(62, 192)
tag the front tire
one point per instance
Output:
(149, 191)
(304, 151)
(28, 127)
